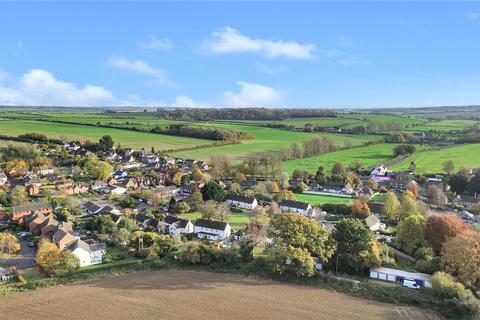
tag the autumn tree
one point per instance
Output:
(296, 239)
(53, 261)
(392, 206)
(408, 205)
(360, 208)
(436, 195)
(8, 243)
(440, 228)
(414, 188)
(18, 195)
(321, 176)
(461, 257)
(448, 167)
(411, 233)
(212, 210)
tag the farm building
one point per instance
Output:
(241, 202)
(396, 275)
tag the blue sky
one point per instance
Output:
(323, 54)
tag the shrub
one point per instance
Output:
(445, 286)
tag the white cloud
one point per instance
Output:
(252, 95)
(158, 44)
(184, 102)
(40, 88)
(473, 16)
(229, 40)
(140, 67)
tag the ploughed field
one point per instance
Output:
(185, 294)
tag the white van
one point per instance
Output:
(411, 284)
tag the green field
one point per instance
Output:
(75, 132)
(314, 199)
(431, 161)
(268, 140)
(368, 156)
(445, 125)
(236, 220)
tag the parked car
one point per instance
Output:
(411, 284)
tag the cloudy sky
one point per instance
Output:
(230, 54)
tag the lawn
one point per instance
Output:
(236, 220)
(368, 156)
(74, 132)
(431, 161)
(314, 199)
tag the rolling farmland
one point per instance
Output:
(185, 294)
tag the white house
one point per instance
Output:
(380, 171)
(302, 208)
(3, 178)
(212, 230)
(87, 254)
(176, 226)
(241, 202)
(116, 190)
(373, 223)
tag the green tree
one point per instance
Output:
(106, 142)
(296, 239)
(321, 176)
(213, 191)
(411, 233)
(356, 248)
(392, 206)
(18, 195)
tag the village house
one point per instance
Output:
(3, 178)
(98, 185)
(380, 171)
(241, 202)
(87, 254)
(176, 226)
(33, 189)
(374, 224)
(337, 188)
(186, 191)
(165, 193)
(212, 230)
(91, 207)
(49, 226)
(116, 190)
(19, 212)
(63, 238)
(302, 208)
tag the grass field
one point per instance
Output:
(369, 156)
(6, 143)
(74, 132)
(236, 220)
(431, 161)
(444, 125)
(321, 199)
(187, 294)
(268, 140)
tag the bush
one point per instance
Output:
(466, 306)
(445, 286)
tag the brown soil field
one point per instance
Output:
(185, 294)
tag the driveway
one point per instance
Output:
(26, 258)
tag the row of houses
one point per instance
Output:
(40, 221)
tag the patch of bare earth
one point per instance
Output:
(184, 294)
